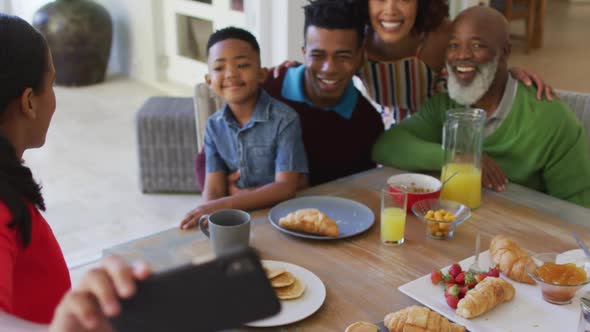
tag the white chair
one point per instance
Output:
(579, 103)
(206, 103)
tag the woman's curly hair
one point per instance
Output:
(430, 15)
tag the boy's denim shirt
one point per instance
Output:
(269, 143)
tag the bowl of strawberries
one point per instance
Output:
(457, 282)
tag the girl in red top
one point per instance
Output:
(34, 279)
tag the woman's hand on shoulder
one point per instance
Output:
(528, 77)
(286, 64)
(89, 306)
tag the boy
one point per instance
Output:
(253, 135)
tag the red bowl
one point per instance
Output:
(415, 181)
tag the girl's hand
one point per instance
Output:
(96, 299)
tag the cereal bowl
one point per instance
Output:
(441, 217)
(559, 276)
(418, 186)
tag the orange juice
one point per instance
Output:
(393, 225)
(465, 187)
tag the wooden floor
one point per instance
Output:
(564, 60)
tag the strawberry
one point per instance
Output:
(449, 285)
(436, 277)
(470, 280)
(447, 278)
(454, 270)
(453, 291)
(479, 277)
(463, 291)
(452, 301)
(460, 278)
(493, 272)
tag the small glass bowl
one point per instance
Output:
(553, 292)
(441, 230)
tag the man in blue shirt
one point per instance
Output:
(253, 135)
(339, 125)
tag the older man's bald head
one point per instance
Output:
(484, 21)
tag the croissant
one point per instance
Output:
(310, 221)
(511, 259)
(419, 319)
(486, 295)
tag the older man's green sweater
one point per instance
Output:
(540, 145)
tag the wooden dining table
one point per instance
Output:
(361, 275)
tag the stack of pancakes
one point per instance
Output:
(285, 284)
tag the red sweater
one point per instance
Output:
(335, 146)
(33, 279)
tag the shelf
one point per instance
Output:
(188, 25)
(192, 34)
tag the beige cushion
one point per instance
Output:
(206, 103)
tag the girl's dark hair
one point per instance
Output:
(430, 14)
(23, 64)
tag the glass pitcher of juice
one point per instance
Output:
(462, 144)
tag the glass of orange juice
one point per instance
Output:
(463, 185)
(393, 216)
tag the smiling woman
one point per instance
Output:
(405, 46)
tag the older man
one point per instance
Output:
(538, 144)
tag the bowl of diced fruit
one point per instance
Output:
(456, 282)
(559, 276)
(417, 186)
(441, 217)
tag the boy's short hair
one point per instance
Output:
(232, 33)
(336, 14)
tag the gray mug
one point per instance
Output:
(227, 230)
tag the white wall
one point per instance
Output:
(5, 6)
(287, 30)
(456, 6)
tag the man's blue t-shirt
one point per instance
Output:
(269, 143)
(293, 90)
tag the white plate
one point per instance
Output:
(352, 217)
(526, 312)
(300, 308)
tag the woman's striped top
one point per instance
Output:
(400, 87)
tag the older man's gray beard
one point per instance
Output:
(473, 92)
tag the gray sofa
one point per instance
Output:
(169, 135)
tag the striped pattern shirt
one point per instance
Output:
(399, 88)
